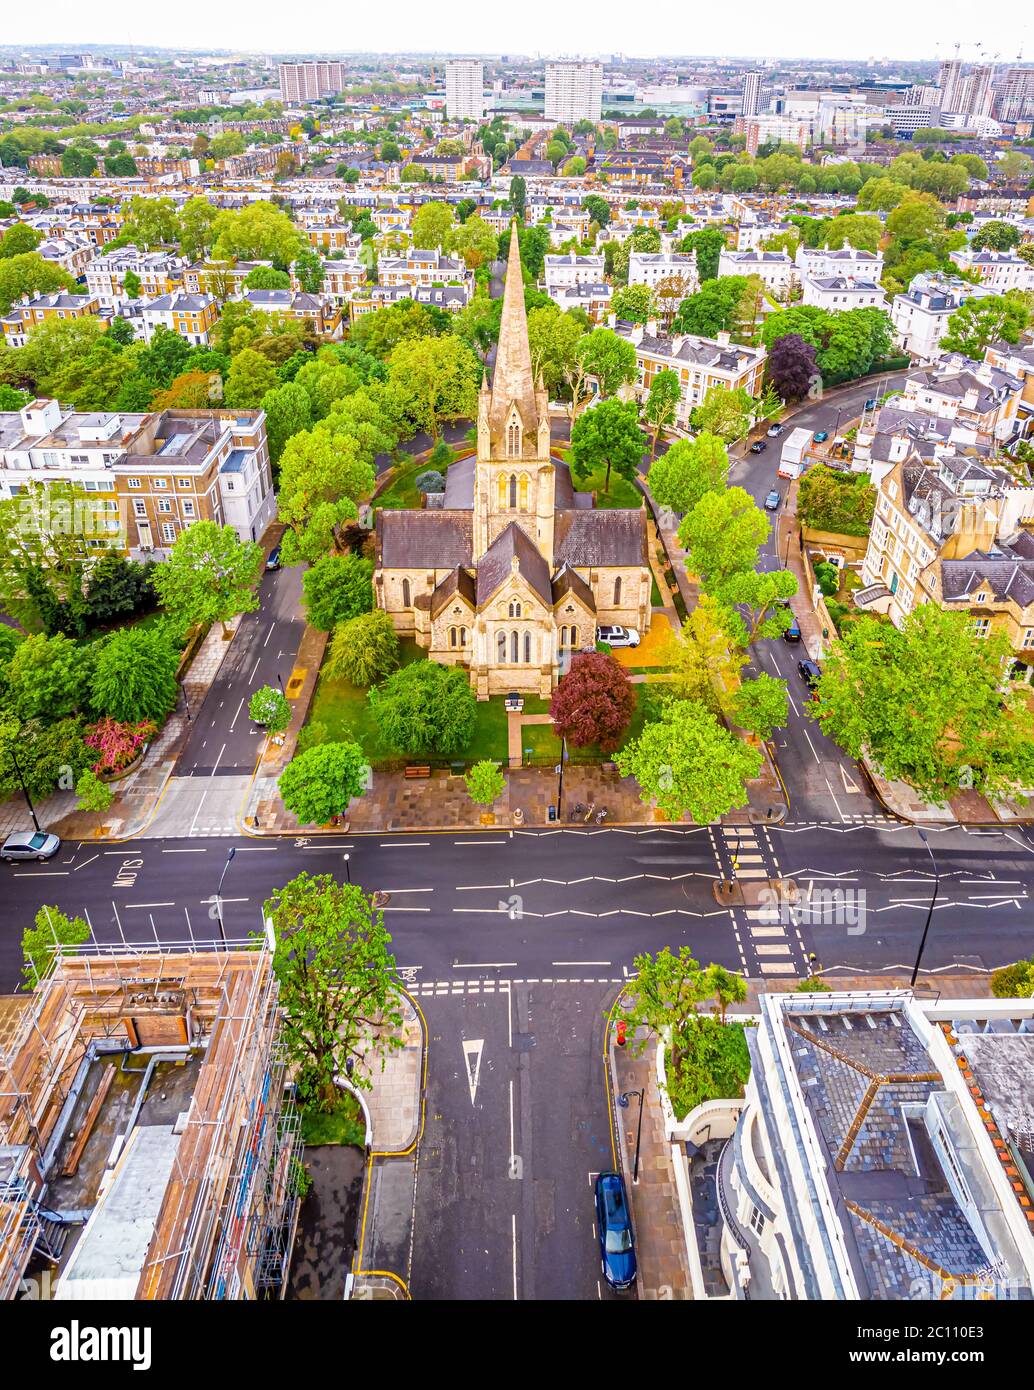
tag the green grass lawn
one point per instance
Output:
(401, 493)
(345, 1124)
(622, 494)
(546, 746)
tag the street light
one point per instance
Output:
(348, 871)
(218, 892)
(623, 1101)
(25, 790)
(929, 914)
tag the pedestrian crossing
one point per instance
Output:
(769, 940)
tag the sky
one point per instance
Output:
(923, 29)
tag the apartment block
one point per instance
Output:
(671, 268)
(300, 82)
(159, 272)
(30, 313)
(701, 363)
(574, 92)
(921, 316)
(838, 293)
(464, 89)
(774, 268)
(567, 269)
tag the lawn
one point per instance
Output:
(401, 493)
(345, 1124)
(622, 493)
(546, 746)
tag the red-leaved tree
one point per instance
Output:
(594, 702)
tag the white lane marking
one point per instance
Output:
(479, 842)
(272, 629)
(41, 873)
(128, 905)
(233, 722)
(407, 890)
(404, 844)
(581, 962)
(481, 887)
(216, 763)
(200, 849)
(84, 863)
(254, 668)
(811, 746)
(198, 811)
(472, 1051)
(514, 1220)
(483, 964)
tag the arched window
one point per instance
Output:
(406, 597)
(502, 491)
(515, 608)
(452, 636)
(501, 648)
(527, 648)
(463, 636)
(563, 638)
(513, 490)
(514, 654)
(617, 591)
(524, 492)
(513, 440)
(574, 638)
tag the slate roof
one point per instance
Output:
(600, 538)
(458, 584)
(424, 540)
(459, 484)
(496, 565)
(569, 581)
(1007, 578)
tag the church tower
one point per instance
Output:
(515, 480)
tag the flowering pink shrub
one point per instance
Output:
(118, 744)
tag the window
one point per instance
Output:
(527, 649)
(502, 492)
(406, 597)
(188, 507)
(524, 492)
(168, 532)
(617, 592)
(514, 648)
(139, 506)
(501, 648)
(513, 441)
(515, 609)
(452, 636)
(160, 483)
(463, 636)
(513, 490)
(183, 482)
(164, 505)
(1028, 636)
(981, 626)
(757, 1220)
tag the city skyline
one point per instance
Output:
(923, 33)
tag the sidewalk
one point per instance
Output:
(139, 796)
(663, 1261)
(395, 1105)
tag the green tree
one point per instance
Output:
(611, 360)
(666, 991)
(978, 323)
(338, 994)
(725, 987)
(761, 705)
(287, 412)
(259, 231)
(475, 241)
(925, 703)
(757, 601)
(46, 677)
(270, 708)
(633, 303)
(610, 435)
(19, 240)
(308, 267)
(51, 935)
(264, 277)
(336, 589)
(706, 657)
(722, 536)
(689, 469)
(322, 476)
(689, 764)
(196, 219)
(713, 309)
(135, 675)
(660, 409)
(598, 209)
(250, 377)
(92, 794)
(436, 380)
(518, 196)
(485, 783)
(726, 413)
(708, 244)
(30, 275)
(209, 576)
(317, 785)
(553, 337)
(425, 708)
(432, 226)
(364, 649)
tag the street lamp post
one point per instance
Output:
(218, 895)
(280, 683)
(560, 779)
(929, 914)
(623, 1100)
(348, 871)
(25, 790)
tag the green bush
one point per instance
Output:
(828, 500)
(813, 984)
(828, 577)
(709, 1061)
(1014, 981)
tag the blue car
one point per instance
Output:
(614, 1224)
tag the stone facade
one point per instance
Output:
(511, 571)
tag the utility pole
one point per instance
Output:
(218, 895)
(25, 791)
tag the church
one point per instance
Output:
(509, 571)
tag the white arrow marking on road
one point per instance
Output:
(850, 785)
(472, 1058)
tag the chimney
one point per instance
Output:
(722, 338)
(651, 327)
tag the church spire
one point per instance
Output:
(513, 381)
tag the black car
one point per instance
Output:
(273, 563)
(614, 1228)
(793, 632)
(759, 446)
(809, 672)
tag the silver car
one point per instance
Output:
(618, 636)
(30, 844)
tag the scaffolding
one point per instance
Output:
(227, 1218)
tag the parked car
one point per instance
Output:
(772, 501)
(273, 563)
(809, 672)
(821, 436)
(618, 636)
(775, 431)
(758, 447)
(870, 404)
(793, 632)
(614, 1225)
(30, 844)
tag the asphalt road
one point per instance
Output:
(563, 904)
(222, 737)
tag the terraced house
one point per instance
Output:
(701, 363)
(30, 313)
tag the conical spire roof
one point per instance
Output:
(513, 380)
